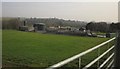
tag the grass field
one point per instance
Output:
(42, 50)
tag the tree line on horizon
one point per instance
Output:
(13, 23)
(103, 27)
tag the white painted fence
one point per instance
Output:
(78, 56)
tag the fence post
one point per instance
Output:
(79, 62)
(117, 51)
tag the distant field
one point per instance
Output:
(42, 50)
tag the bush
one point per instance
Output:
(10, 24)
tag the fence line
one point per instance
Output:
(78, 56)
(106, 61)
(91, 63)
(110, 64)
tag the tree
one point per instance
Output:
(90, 26)
(10, 24)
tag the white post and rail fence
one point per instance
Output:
(112, 61)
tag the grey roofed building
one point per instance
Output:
(39, 27)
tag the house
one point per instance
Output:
(24, 26)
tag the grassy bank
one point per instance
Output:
(42, 50)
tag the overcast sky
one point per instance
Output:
(85, 11)
(60, 0)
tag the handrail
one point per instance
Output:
(78, 55)
(106, 61)
(110, 64)
(91, 63)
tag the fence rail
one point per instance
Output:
(78, 56)
(91, 63)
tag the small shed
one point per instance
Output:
(39, 27)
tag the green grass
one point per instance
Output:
(42, 50)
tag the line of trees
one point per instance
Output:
(13, 23)
(57, 22)
(103, 27)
